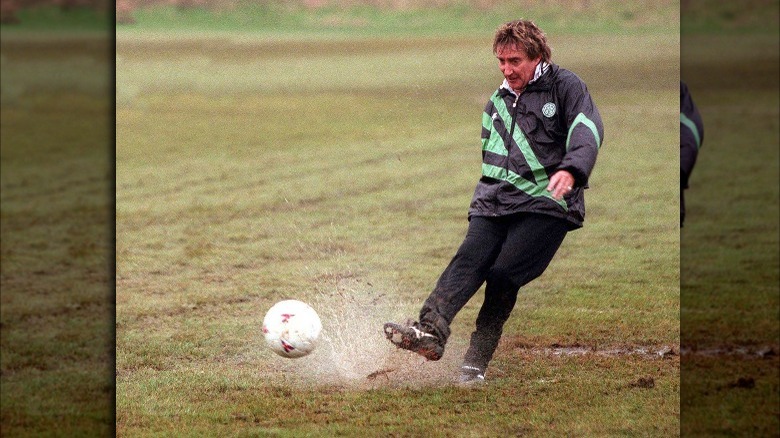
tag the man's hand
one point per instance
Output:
(561, 183)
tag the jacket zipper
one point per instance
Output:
(511, 132)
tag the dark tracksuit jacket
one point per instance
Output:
(691, 137)
(557, 126)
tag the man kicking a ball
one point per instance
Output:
(541, 133)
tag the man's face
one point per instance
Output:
(517, 68)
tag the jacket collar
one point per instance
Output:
(540, 80)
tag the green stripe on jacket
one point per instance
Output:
(581, 118)
(521, 183)
(540, 175)
(692, 126)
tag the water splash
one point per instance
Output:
(352, 349)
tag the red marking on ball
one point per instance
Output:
(287, 347)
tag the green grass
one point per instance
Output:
(715, 403)
(47, 19)
(541, 405)
(711, 17)
(419, 19)
(293, 18)
(729, 259)
(339, 172)
(334, 163)
(57, 357)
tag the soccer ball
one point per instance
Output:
(291, 328)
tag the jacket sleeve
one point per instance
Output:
(691, 134)
(585, 131)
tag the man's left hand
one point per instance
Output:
(561, 183)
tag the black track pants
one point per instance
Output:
(506, 252)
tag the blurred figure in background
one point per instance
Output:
(691, 137)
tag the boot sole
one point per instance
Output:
(395, 334)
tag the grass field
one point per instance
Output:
(57, 234)
(339, 172)
(335, 164)
(730, 266)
